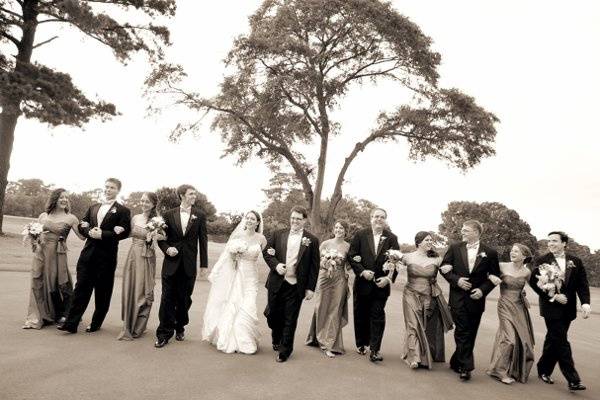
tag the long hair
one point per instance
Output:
(154, 200)
(257, 215)
(52, 202)
(525, 251)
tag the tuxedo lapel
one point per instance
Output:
(283, 240)
(191, 221)
(301, 249)
(567, 269)
(463, 255)
(371, 242)
(94, 215)
(177, 219)
(382, 240)
(109, 214)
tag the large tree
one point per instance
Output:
(295, 66)
(33, 90)
(502, 226)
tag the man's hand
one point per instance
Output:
(464, 284)
(280, 268)
(382, 282)
(367, 274)
(202, 272)
(561, 298)
(586, 309)
(84, 224)
(96, 233)
(118, 229)
(308, 294)
(444, 269)
(476, 294)
(172, 252)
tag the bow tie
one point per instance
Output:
(297, 233)
(107, 203)
(186, 210)
(560, 255)
(473, 246)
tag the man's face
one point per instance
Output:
(189, 198)
(111, 190)
(555, 245)
(297, 221)
(378, 220)
(469, 234)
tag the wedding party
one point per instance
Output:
(298, 198)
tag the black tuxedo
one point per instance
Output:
(97, 264)
(369, 299)
(558, 317)
(467, 312)
(179, 272)
(284, 299)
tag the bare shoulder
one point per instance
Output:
(262, 240)
(325, 244)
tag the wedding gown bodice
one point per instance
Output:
(251, 255)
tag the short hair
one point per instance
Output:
(473, 223)
(344, 225)
(378, 209)
(52, 202)
(116, 182)
(299, 210)
(526, 251)
(563, 236)
(419, 237)
(182, 190)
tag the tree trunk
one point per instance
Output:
(8, 123)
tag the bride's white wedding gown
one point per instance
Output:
(230, 318)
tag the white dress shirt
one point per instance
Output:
(185, 214)
(103, 210)
(376, 239)
(472, 251)
(291, 257)
(561, 260)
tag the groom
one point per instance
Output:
(186, 232)
(293, 257)
(468, 265)
(104, 225)
(372, 284)
(561, 309)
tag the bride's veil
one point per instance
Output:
(221, 278)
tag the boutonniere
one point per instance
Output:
(305, 241)
(192, 217)
(271, 251)
(382, 238)
(113, 210)
(570, 264)
(482, 255)
(357, 259)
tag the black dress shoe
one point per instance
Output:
(160, 343)
(546, 378)
(180, 336)
(66, 328)
(375, 356)
(281, 358)
(91, 329)
(465, 375)
(576, 386)
(362, 350)
(276, 347)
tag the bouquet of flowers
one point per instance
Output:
(32, 233)
(330, 259)
(156, 226)
(236, 248)
(550, 279)
(393, 260)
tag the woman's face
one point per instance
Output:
(251, 222)
(339, 231)
(63, 201)
(427, 243)
(516, 255)
(146, 203)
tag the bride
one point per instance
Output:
(230, 318)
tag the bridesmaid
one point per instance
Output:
(512, 357)
(51, 283)
(331, 300)
(138, 273)
(426, 313)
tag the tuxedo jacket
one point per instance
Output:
(187, 243)
(104, 250)
(363, 246)
(307, 264)
(575, 284)
(486, 264)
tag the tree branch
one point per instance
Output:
(45, 42)
(14, 14)
(11, 38)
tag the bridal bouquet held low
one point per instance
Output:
(237, 248)
(331, 259)
(155, 229)
(550, 279)
(32, 233)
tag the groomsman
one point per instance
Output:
(372, 284)
(471, 263)
(186, 233)
(104, 225)
(560, 310)
(293, 257)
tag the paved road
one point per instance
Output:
(49, 364)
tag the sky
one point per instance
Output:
(532, 63)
